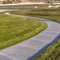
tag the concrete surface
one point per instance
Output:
(28, 48)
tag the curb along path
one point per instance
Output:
(30, 48)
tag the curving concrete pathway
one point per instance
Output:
(28, 48)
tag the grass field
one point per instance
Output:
(52, 53)
(17, 29)
(51, 14)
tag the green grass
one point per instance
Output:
(52, 53)
(17, 29)
(51, 14)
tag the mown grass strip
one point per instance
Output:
(14, 29)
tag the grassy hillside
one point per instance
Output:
(17, 29)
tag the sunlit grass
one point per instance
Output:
(17, 29)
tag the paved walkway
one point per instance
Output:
(28, 48)
(25, 3)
